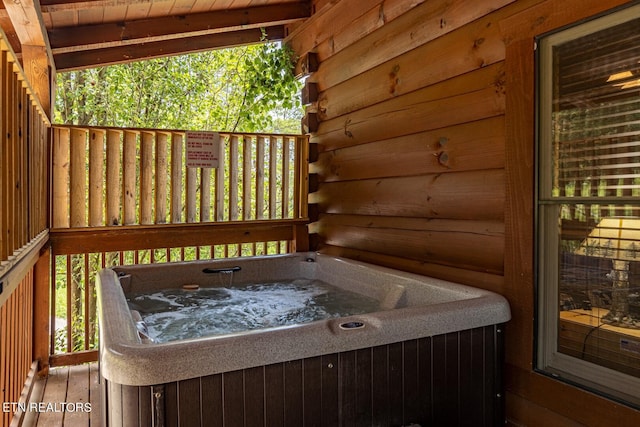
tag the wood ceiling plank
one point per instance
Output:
(115, 13)
(91, 15)
(128, 53)
(182, 7)
(139, 10)
(63, 18)
(222, 4)
(176, 26)
(59, 5)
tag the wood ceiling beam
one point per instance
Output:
(128, 53)
(27, 21)
(26, 17)
(170, 27)
(9, 31)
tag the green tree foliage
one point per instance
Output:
(244, 89)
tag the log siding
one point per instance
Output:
(424, 157)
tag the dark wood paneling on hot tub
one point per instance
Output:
(445, 380)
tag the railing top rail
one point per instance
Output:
(180, 226)
(179, 131)
(149, 237)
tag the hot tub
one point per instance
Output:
(429, 354)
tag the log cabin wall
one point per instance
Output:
(423, 127)
(23, 225)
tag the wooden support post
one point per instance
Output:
(41, 316)
(302, 177)
(300, 242)
(36, 66)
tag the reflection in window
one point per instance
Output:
(589, 205)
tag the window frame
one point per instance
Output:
(547, 358)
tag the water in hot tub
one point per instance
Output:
(174, 314)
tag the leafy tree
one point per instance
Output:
(244, 89)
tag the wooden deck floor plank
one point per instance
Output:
(31, 417)
(55, 393)
(95, 418)
(75, 384)
(77, 397)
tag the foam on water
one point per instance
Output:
(174, 314)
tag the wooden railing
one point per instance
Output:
(125, 196)
(108, 176)
(24, 128)
(16, 333)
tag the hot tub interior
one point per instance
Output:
(192, 311)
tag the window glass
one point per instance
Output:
(589, 204)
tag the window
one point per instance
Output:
(588, 205)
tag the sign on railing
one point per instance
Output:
(203, 149)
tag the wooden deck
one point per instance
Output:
(69, 396)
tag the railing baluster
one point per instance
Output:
(78, 190)
(205, 195)
(247, 153)
(286, 168)
(129, 177)
(10, 179)
(233, 178)
(220, 190)
(260, 142)
(162, 177)
(21, 149)
(146, 178)
(61, 143)
(69, 299)
(52, 302)
(176, 177)
(96, 178)
(113, 177)
(86, 306)
(192, 186)
(273, 174)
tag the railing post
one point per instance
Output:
(41, 315)
(300, 242)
